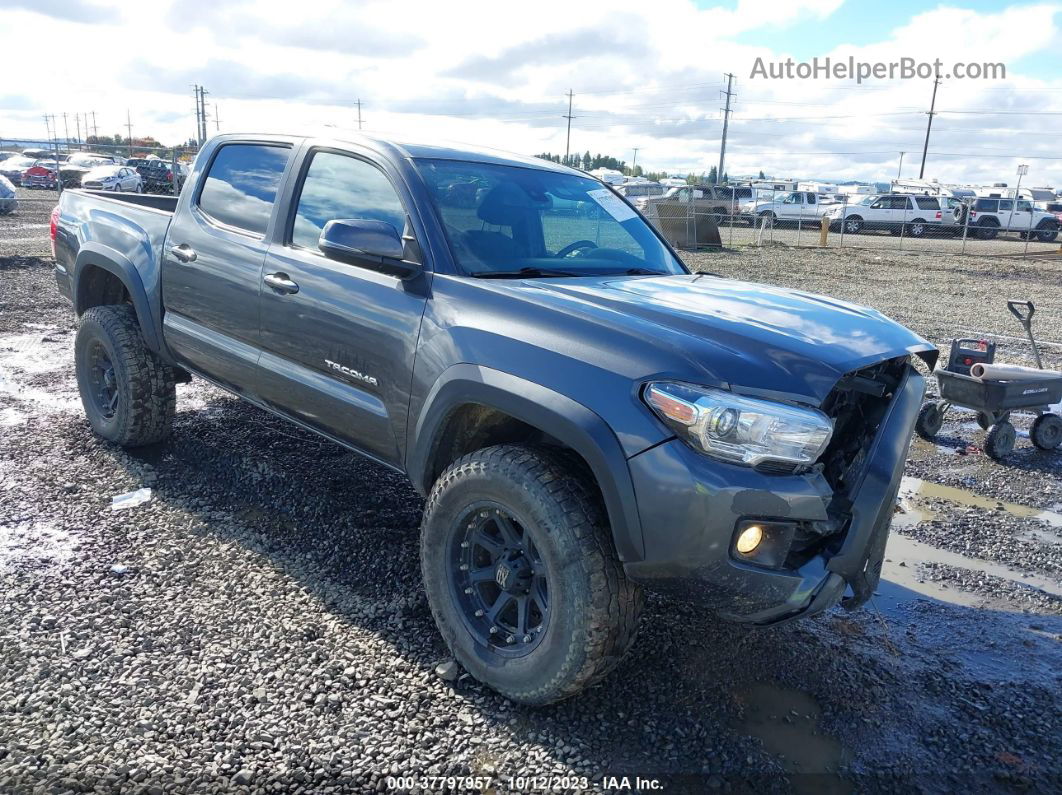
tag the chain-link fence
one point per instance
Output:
(993, 225)
(40, 170)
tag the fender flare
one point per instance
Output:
(92, 253)
(549, 411)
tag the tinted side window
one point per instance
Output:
(241, 186)
(339, 186)
(928, 203)
(1006, 204)
(986, 205)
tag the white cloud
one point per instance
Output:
(644, 74)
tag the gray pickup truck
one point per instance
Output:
(585, 416)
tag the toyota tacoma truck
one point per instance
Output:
(586, 417)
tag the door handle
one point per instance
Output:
(281, 283)
(184, 252)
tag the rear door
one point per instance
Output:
(338, 349)
(212, 263)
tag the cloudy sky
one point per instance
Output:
(644, 74)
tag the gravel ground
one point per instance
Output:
(259, 623)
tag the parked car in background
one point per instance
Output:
(988, 217)
(79, 164)
(157, 174)
(13, 167)
(1055, 208)
(38, 154)
(706, 200)
(5, 155)
(898, 213)
(116, 178)
(8, 202)
(40, 175)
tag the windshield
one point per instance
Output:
(507, 219)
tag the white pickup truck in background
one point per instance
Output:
(796, 207)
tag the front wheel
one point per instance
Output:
(522, 576)
(930, 420)
(916, 228)
(853, 224)
(1047, 234)
(1000, 440)
(127, 391)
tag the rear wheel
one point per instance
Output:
(522, 576)
(987, 230)
(1000, 440)
(930, 419)
(127, 391)
(1046, 431)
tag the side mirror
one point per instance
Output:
(367, 243)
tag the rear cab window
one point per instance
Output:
(241, 186)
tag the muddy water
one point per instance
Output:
(915, 488)
(786, 722)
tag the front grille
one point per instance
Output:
(857, 406)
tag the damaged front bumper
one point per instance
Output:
(691, 508)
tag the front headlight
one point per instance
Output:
(739, 429)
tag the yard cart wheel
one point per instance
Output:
(522, 576)
(1000, 440)
(930, 419)
(127, 391)
(985, 420)
(1046, 431)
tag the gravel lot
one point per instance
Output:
(259, 623)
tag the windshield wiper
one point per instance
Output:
(645, 272)
(523, 273)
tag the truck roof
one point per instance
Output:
(442, 150)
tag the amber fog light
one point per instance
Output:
(764, 542)
(749, 539)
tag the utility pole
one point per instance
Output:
(129, 130)
(635, 161)
(202, 104)
(66, 129)
(95, 129)
(77, 126)
(359, 115)
(899, 168)
(929, 125)
(726, 124)
(569, 117)
(47, 127)
(198, 116)
(217, 118)
(1023, 169)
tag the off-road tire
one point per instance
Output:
(930, 419)
(1046, 431)
(1046, 233)
(594, 608)
(987, 230)
(147, 394)
(1000, 440)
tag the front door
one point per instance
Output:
(212, 264)
(338, 342)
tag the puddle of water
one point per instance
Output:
(786, 722)
(911, 553)
(921, 488)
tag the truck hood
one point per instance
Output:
(753, 337)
